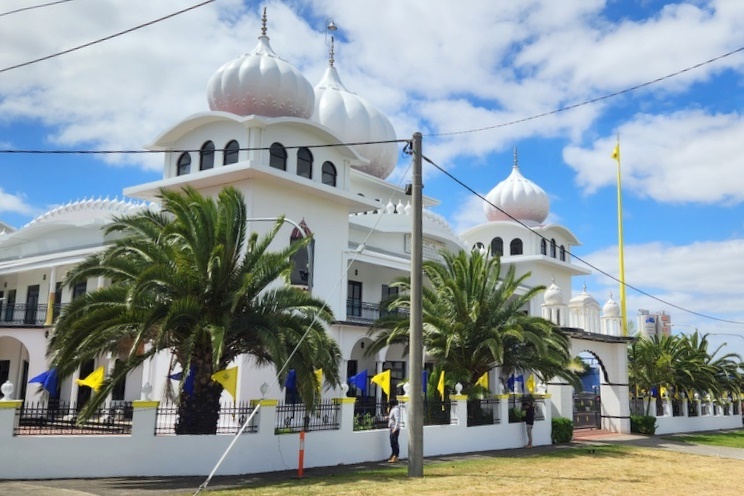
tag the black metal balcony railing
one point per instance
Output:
(363, 312)
(23, 315)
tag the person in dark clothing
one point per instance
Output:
(529, 421)
(393, 419)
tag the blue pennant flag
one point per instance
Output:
(291, 382)
(359, 380)
(513, 381)
(188, 386)
(48, 381)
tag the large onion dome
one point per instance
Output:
(517, 197)
(354, 120)
(261, 83)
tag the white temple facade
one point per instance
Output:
(281, 141)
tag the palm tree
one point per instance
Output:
(187, 279)
(473, 321)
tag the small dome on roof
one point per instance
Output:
(553, 295)
(582, 300)
(611, 308)
(517, 197)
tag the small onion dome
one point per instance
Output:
(611, 308)
(518, 197)
(353, 119)
(261, 83)
(553, 295)
(582, 300)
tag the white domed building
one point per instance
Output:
(282, 142)
(517, 229)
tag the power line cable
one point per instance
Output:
(101, 40)
(189, 150)
(593, 267)
(32, 7)
(593, 100)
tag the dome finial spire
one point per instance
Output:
(516, 159)
(330, 53)
(263, 23)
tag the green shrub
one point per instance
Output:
(562, 430)
(516, 414)
(643, 424)
(364, 422)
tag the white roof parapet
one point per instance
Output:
(87, 208)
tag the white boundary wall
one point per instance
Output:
(669, 424)
(144, 454)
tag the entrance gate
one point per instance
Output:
(587, 410)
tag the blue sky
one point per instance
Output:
(433, 67)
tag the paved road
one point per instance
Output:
(170, 486)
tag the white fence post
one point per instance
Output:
(144, 417)
(346, 414)
(8, 418)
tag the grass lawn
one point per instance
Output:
(732, 439)
(606, 470)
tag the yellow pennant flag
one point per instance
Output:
(482, 381)
(616, 152)
(94, 379)
(383, 380)
(319, 377)
(531, 383)
(440, 386)
(229, 380)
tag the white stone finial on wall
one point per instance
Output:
(7, 390)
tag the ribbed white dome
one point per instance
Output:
(261, 83)
(519, 197)
(354, 119)
(553, 295)
(611, 308)
(582, 300)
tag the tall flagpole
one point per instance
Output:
(621, 255)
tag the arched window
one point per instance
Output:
(515, 247)
(497, 247)
(479, 247)
(184, 164)
(206, 156)
(230, 155)
(278, 156)
(329, 174)
(563, 253)
(552, 248)
(304, 163)
(543, 247)
(302, 272)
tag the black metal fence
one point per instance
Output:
(293, 417)
(437, 412)
(484, 412)
(231, 418)
(58, 418)
(677, 408)
(369, 414)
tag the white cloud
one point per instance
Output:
(14, 204)
(687, 156)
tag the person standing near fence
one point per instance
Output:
(529, 421)
(393, 419)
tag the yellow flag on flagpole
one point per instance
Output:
(229, 380)
(383, 380)
(531, 383)
(482, 381)
(94, 379)
(616, 152)
(319, 377)
(440, 386)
